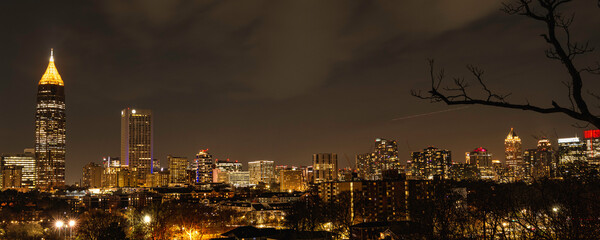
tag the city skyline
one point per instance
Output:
(197, 108)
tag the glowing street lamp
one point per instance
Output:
(147, 219)
(71, 225)
(59, 224)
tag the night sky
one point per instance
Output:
(279, 80)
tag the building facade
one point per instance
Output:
(92, 175)
(325, 167)
(513, 151)
(571, 150)
(261, 171)
(28, 163)
(11, 176)
(371, 166)
(291, 180)
(429, 163)
(203, 165)
(592, 141)
(137, 142)
(50, 129)
(177, 169)
(482, 159)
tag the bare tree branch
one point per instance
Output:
(562, 48)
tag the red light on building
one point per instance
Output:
(480, 149)
(592, 133)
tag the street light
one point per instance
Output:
(59, 224)
(147, 219)
(71, 225)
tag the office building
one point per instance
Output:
(592, 141)
(571, 150)
(28, 163)
(325, 167)
(430, 163)
(544, 162)
(92, 175)
(239, 179)
(11, 176)
(261, 171)
(482, 159)
(137, 142)
(291, 180)
(228, 166)
(371, 166)
(512, 149)
(177, 168)
(50, 129)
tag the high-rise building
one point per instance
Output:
(512, 149)
(481, 158)
(571, 150)
(261, 171)
(50, 129)
(325, 167)
(92, 175)
(371, 166)
(291, 180)
(544, 161)
(27, 161)
(592, 141)
(137, 142)
(203, 165)
(11, 176)
(177, 167)
(429, 163)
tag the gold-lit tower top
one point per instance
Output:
(51, 75)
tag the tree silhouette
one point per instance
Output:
(562, 48)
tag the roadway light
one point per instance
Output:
(555, 209)
(71, 223)
(59, 224)
(147, 219)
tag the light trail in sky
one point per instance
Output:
(429, 113)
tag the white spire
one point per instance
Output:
(51, 54)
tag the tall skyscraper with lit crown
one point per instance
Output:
(512, 149)
(50, 129)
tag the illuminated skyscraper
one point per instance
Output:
(481, 158)
(50, 129)
(203, 165)
(325, 167)
(544, 161)
(592, 141)
(137, 142)
(512, 149)
(430, 162)
(371, 166)
(571, 150)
